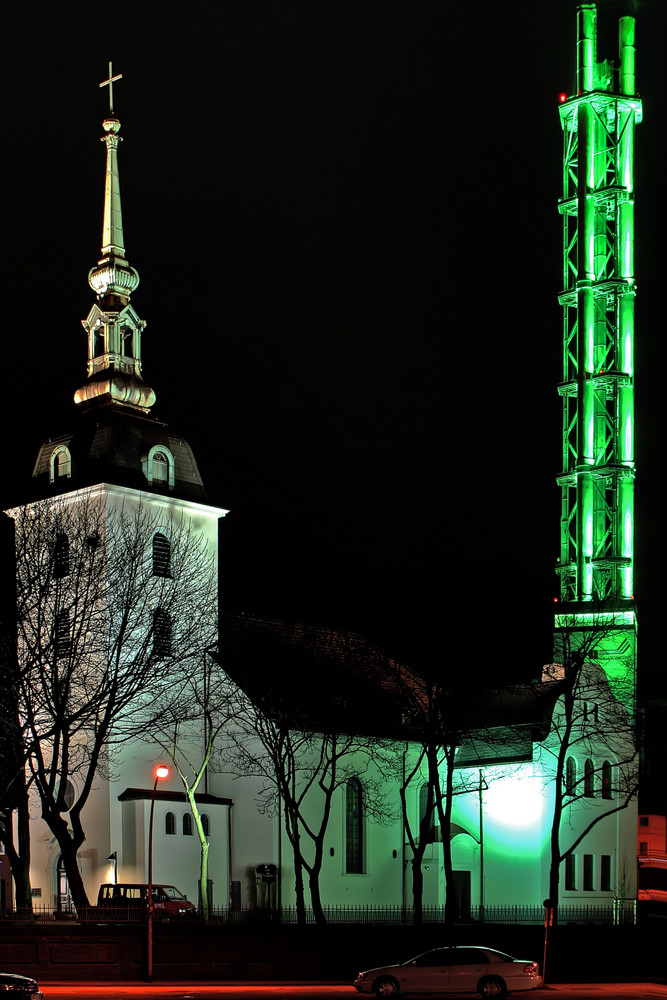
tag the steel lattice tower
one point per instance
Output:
(596, 563)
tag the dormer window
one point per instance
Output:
(158, 467)
(61, 464)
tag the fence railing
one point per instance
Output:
(616, 912)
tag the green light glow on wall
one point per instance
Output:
(516, 810)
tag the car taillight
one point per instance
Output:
(531, 969)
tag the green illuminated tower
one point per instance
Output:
(596, 561)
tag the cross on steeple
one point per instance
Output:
(109, 83)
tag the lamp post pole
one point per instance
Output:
(160, 773)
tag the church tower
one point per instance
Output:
(596, 564)
(131, 472)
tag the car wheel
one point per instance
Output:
(386, 987)
(492, 986)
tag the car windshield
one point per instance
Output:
(171, 892)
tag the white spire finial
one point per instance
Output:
(109, 83)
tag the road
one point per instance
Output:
(318, 991)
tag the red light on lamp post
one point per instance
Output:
(161, 772)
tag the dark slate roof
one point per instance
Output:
(317, 678)
(107, 445)
(326, 680)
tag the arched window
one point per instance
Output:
(606, 780)
(127, 341)
(187, 825)
(570, 776)
(170, 824)
(61, 556)
(205, 824)
(161, 633)
(354, 828)
(423, 806)
(62, 637)
(589, 779)
(161, 556)
(61, 463)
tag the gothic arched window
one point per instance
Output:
(205, 824)
(606, 780)
(170, 824)
(354, 827)
(570, 775)
(187, 825)
(589, 779)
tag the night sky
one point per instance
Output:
(344, 216)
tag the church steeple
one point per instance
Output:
(114, 329)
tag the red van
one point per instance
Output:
(130, 898)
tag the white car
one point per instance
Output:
(458, 969)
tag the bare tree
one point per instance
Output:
(589, 755)
(14, 800)
(435, 724)
(113, 602)
(305, 746)
(190, 733)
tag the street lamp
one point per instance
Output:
(161, 772)
(113, 859)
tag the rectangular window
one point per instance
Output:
(63, 639)
(161, 556)
(605, 872)
(588, 872)
(61, 556)
(643, 847)
(570, 872)
(161, 633)
(643, 820)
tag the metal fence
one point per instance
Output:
(616, 912)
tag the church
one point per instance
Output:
(518, 761)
